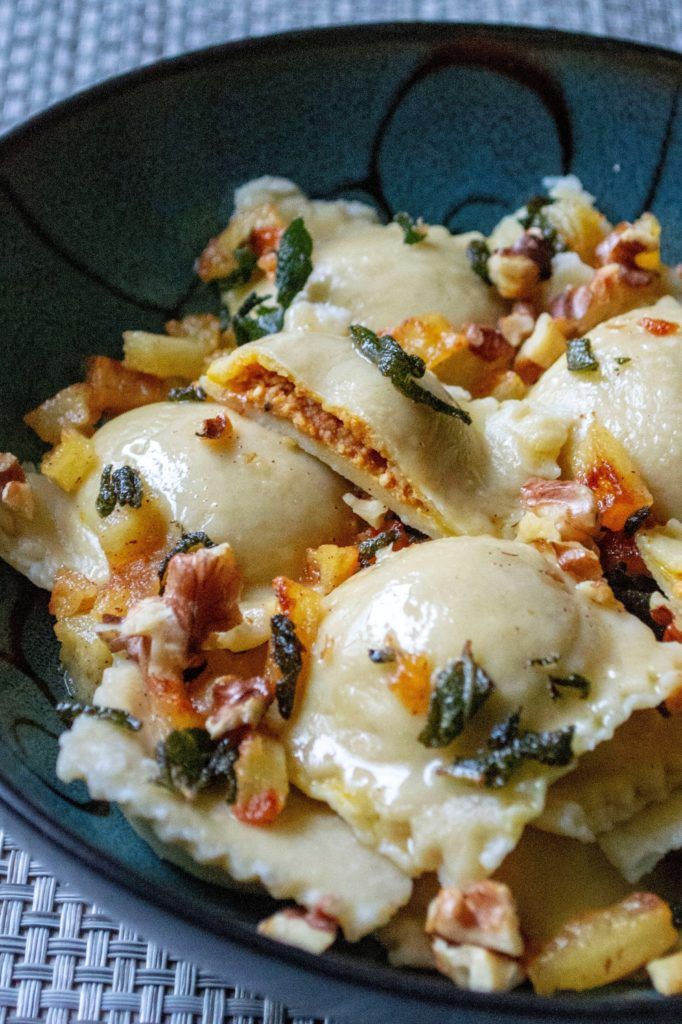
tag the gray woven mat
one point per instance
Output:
(62, 960)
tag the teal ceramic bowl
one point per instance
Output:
(104, 202)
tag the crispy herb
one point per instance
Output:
(121, 486)
(507, 748)
(460, 690)
(622, 360)
(69, 711)
(402, 369)
(533, 207)
(478, 255)
(636, 520)
(663, 710)
(193, 672)
(579, 356)
(267, 319)
(246, 261)
(535, 217)
(634, 590)
(190, 762)
(382, 655)
(190, 393)
(368, 549)
(287, 652)
(572, 682)
(294, 264)
(411, 233)
(187, 542)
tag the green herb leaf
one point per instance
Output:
(382, 655)
(507, 748)
(187, 542)
(246, 261)
(634, 590)
(411, 233)
(533, 207)
(478, 255)
(69, 711)
(572, 682)
(287, 650)
(460, 690)
(548, 659)
(294, 264)
(121, 486)
(622, 360)
(579, 356)
(267, 319)
(368, 549)
(535, 217)
(636, 520)
(191, 393)
(190, 762)
(402, 370)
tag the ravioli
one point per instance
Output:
(321, 391)
(636, 393)
(640, 766)
(637, 845)
(256, 490)
(308, 854)
(354, 744)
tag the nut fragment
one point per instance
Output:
(633, 245)
(514, 274)
(216, 428)
(483, 914)
(477, 969)
(571, 506)
(666, 974)
(236, 702)
(312, 931)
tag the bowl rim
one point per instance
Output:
(30, 816)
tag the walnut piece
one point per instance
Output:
(481, 914)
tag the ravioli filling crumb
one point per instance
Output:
(263, 389)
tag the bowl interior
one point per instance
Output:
(106, 201)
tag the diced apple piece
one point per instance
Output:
(601, 462)
(72, 594)
(604, 945)
(73, 407)
(477, 969)
(83, 653)
(309, 931)
(117, 389)
(128, 534)
(328, 566)
(542, 348)
(165, 356)
(661, 550)
(666, 974)
(262, 779)
(71, 461)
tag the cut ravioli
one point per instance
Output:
(308, 854)
(440, 475)
(641, 765)
(355, 745)
(256, 490)
(636, 393)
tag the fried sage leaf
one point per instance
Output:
(287, 651)
(579, 356)
(245, 260)
(122, 486)
(294, 265)
(478, 255)
(573, 682)
(507, 748)
(402, 369)
(190, 762)
(69, 711)
(187, 542)
(460, 690)
(190, 393)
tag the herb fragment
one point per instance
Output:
(535, 217)
(287, 652)
(402, 369)
(121, 486)
(507, 748)
(368, 549)
(246, 261)
(579, 356)
(460, 690)
(267, 319)
(294, 265)
(187, 542)
(190, 393)
(572, 682)
(382, 655)
(189, 762)
(548, 659)
(69, 711)
(411, 233)
(622, 360)
(478, 254)
(637, 519)
(634, 591)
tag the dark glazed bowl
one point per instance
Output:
(105, 201)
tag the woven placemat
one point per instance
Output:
(62, 960)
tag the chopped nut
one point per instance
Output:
(10, 469)
(262, 779)
(580, 562)
(635, 245)
(476, 969)
(216, 428)
(311, 931)
(666, 974)
(236, 702)
(17, 495)
(514, 274)
(570, 505)
(202, 588)
(518, 324)
(614, 289)
(482, 914)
